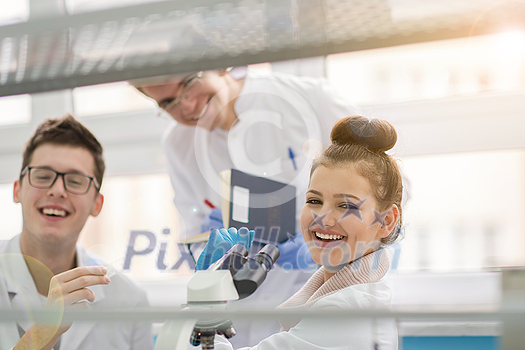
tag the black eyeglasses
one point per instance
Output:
(45, 178)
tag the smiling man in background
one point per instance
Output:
(267, 125)
(43, 267)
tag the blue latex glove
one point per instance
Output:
(213, 220)
(220, 242)
(295, 254)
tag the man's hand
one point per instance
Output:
(67, 290)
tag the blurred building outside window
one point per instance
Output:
(464, 211)
(466, 66)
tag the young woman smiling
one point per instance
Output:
(351, 214)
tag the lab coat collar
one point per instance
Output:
(19, 282)
(247, 105)
(8, 331)
(245, 102)
(253, 85)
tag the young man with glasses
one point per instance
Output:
(42, 267)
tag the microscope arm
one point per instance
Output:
(211, 289)
(206, 290)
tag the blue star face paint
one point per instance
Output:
(337, 215)
(353, 208)
(379, 218)
(318, 220)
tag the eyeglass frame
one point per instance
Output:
(27, 170)
(190, 83)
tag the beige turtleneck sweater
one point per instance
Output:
(367, 269)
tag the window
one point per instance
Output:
(14, 12)
(431, 70)
(464, 211)
(15, 110)
(108, 99)
(81, 6)
(11, 213)
(137, 203)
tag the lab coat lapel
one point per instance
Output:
(8, 331)
(79, 331)
(19, 282)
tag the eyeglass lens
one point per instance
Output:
(190, 83)
(45, 178)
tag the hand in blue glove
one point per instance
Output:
(213, 220)
(295, 254)
(220, 242)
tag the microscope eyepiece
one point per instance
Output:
(267, 256)
(254, 271)
(233, 260)
(248, 273)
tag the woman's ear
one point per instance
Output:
(389, 221)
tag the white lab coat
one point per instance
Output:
(275, 112)
(338, 333)
(359, 285)
(17, 289)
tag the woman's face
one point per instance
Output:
(340, 219)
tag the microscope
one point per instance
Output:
(235, 276)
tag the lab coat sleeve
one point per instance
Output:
(142, 338)
(301, 337)
(181, 182)
(317, 333)
(314, 334)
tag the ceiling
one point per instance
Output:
(92, 47)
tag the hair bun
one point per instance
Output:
(375, 134)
